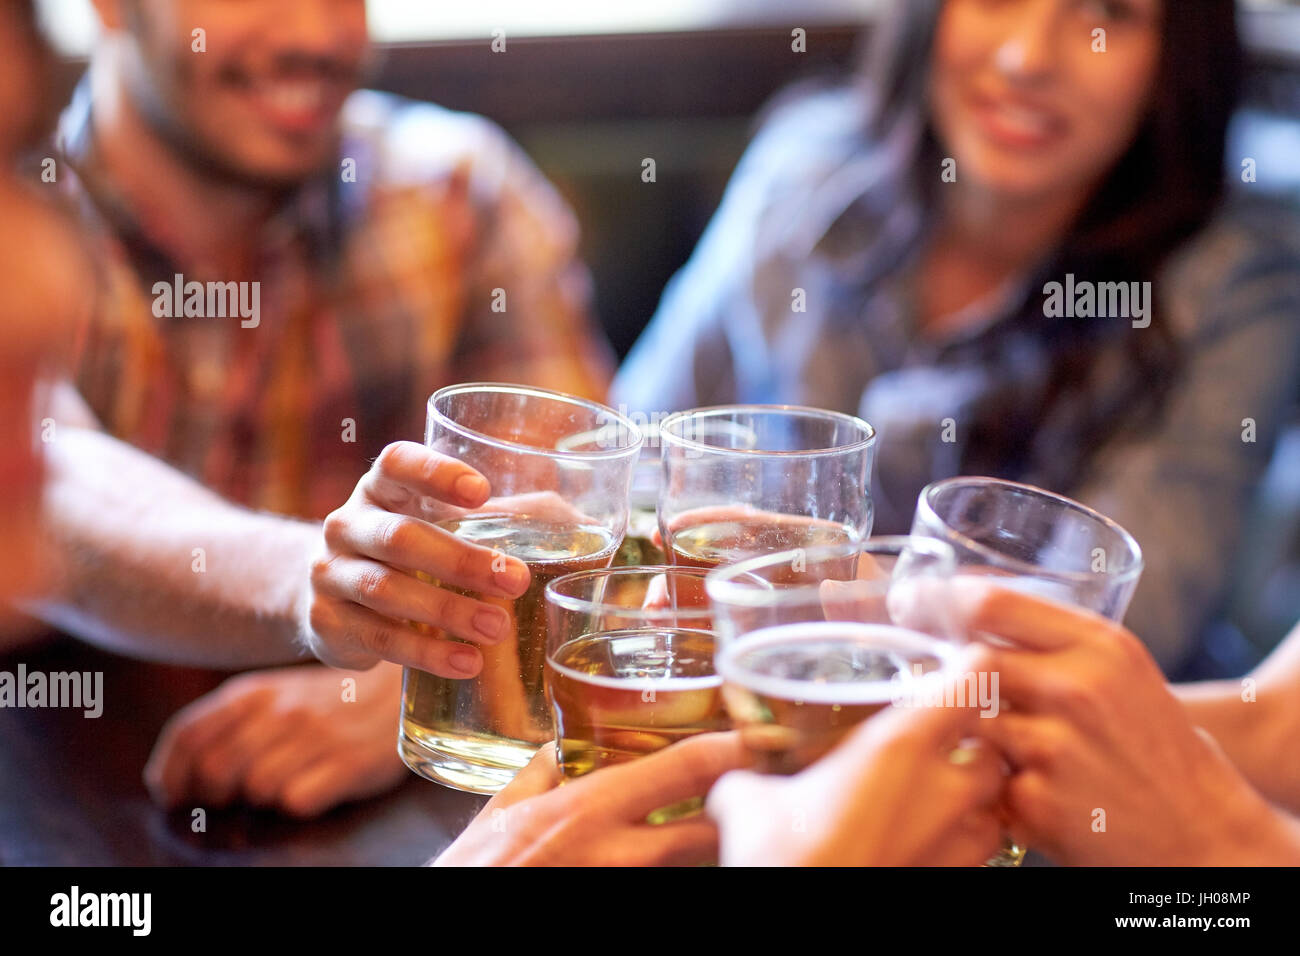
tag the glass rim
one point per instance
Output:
(925, 507)
(649, 433)
(570, 602)
(667, 437)
(632, 448)
(947, 653)
(722, 586)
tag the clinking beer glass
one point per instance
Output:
(560, 468)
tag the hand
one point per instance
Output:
(362, 603)
(599, 819)
(282, 738)
(1095, 737)
(893, 793)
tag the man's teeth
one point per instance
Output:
(294, 97)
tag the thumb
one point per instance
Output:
(538, 776)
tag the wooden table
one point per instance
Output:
(71, 792)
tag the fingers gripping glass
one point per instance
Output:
(557, 504)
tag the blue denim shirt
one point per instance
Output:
(810, 208)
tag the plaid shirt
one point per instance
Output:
(373, 294)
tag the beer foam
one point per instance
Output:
(806, 639)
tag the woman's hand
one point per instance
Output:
(1107, 769)
(599, 819)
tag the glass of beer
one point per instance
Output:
(560, 468)
(1038, 542)
(629, 664)
(811, 643)
(795, 690)
(1034, 541)
(745, 480)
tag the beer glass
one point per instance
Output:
(629, 664)
(811, 643)
(559, 505)
(1034, 541)
(751, 479)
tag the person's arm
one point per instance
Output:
(1181, 489)
(1256, 721)
(153, 565)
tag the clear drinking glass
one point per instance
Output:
(751, 479)
(560, 468)
(1039, 542)
(1034, 541)
(811, 643)
(629, 664)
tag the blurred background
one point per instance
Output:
(590, 89)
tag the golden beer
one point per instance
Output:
(624, 694)
(714, 543)
(477, 733)
(796, 690)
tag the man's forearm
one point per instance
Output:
(153, 565)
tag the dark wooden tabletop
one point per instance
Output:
(71, 792)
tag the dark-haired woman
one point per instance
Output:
(891, 249)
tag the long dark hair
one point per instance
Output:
(1161, 191)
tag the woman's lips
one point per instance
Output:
(1017, 125)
